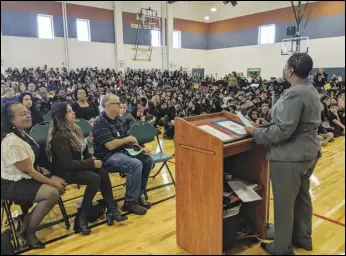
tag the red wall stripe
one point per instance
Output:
(90, 13)
(44, 7)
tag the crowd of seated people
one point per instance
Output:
(113, 102)
(157, 97)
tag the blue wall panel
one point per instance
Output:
(233, 39)
(131, 33)
(322, 27)
(193, 40)
(102, 31)
(19, 24)
(72, 28)
(24, 24)
(58, 26)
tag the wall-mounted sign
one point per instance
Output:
(253, 72)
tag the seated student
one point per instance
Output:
(39, 107)
(8, 96)
(110, 139)
(168, 124)
(61, 96)
(265, 112)
(71, 161)
(20, 181)
(84, 109)
(127, 119)
(335, 121)
(28, 101)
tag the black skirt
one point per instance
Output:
(20, 192)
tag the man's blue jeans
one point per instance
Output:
(137, 170)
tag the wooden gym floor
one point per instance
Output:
(155, 232)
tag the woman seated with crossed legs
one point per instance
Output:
(20, 181)
(71, 161)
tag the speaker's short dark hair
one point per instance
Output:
(301, 63)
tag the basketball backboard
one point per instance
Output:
(290, 46)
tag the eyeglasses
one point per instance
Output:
(117, 103)
(26, 113)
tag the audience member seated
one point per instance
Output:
(28, 101)
(72, 162)
(20, 181)
(84, 109)
(39, 107)
(335, 121)
(7, 95)
(127, 118)
(110, 139)
(61, 96)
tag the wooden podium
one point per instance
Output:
(201, 159)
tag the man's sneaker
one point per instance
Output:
(134, 208)
(142, 202)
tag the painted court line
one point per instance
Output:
(328, 214)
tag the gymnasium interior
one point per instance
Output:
(177, 70)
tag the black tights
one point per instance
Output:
(94, 180)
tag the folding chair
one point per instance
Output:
(145, 133)
(85, 126)
(48, 117)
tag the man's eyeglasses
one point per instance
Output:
(117, 103)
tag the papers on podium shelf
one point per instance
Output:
(222, 136)
(244, 192)
(245, 121)
(231, 212)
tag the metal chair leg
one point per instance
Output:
(170, 173)
(7, 207)
(64, 214)
(158, 172)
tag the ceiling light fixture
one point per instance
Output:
(206, 17)
(213, 9)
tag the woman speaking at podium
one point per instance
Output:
(293, 153)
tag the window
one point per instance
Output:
(176, 39)
(155, 38)
(83, 30)
(45, 26)
(266, 34)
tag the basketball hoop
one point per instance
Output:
(291, 52)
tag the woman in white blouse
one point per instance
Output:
(20, 182)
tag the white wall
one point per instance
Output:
(91, 54)
(243, 8)
(32, 52)
(326, 52)
(192, 10)
(189, 58)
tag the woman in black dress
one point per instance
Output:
(84, 109)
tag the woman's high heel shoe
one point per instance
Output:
(113, 213)
(82, 226)
(33, 246)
